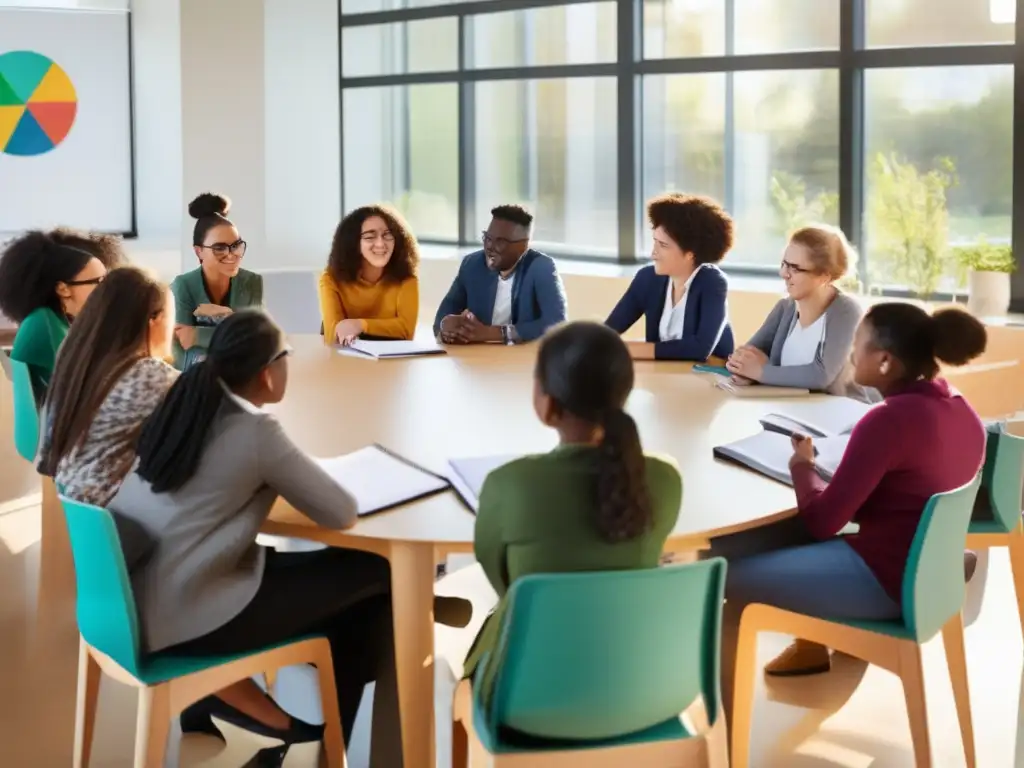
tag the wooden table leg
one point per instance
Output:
(412, 594)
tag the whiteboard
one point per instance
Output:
(85, 180)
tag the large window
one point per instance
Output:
(891, 118)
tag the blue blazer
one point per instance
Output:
(706, 329)
(538, 297)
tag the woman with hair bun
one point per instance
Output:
(596, 502)
(923, 439)
(805, 340)
(45, 278)
(205, 296)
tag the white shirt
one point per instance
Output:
(672, 317)
(802, 344)
(502, 314)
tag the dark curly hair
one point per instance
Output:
(346, 258)
(31, 266)
(586, 369)
(696, 223)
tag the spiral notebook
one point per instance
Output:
(380, 479)
(769, 453)
(467, 476)
(828, 417)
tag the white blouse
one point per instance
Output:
(801, 346)
(673, 316)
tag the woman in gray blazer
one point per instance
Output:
(806, 339)
(210, 465)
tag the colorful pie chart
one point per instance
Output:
(38, 104)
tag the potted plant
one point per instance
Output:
(988, 267)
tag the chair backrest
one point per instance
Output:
(1003, 478)
(26, 416)
(291, 297)
(601, 655)
(106, 604)
(933, 583)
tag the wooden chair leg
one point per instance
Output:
(912, 677)
(152, 726)
(269, 680)
(85, 708)
(743, 694)
(334, 739)
(1016, 547)
(956, 660)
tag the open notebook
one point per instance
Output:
(828, 417)
(467, 476)
(755, 390)
(380, 480)
(383, 350)
(769, 453)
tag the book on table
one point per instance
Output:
(829, 417)
(726, 384)
(467, 476)
(386, 350)
(769, 453)
(380, 479)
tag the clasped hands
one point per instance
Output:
(186, 334)
(746, 364)
(464, 328)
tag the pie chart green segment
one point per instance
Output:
(38, 104)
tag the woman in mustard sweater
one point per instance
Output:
(370, 287)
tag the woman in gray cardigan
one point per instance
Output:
(806, 339)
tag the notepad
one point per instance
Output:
(385, 350)
(828, 417)
(769, 454)
(380, 479)
(756, 390)
(467, 476)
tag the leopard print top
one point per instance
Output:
(93, 471)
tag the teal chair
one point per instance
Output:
(601, 670)
(167, 684)
(1003, 482)
(933, 595)
(26, 416)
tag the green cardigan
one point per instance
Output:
(36, 343)
(245, 291)
(536, 516)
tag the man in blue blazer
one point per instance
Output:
(683, 294)
(505, 293)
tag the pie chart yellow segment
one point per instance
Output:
(9, 117)
(55, 86)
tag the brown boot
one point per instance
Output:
(801, 658)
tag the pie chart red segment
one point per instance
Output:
(54, 117)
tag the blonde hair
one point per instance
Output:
(830, 251)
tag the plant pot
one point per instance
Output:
(988, 293)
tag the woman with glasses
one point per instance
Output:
(370, 288)
(45, 279)
(805, 342)
(205, 296)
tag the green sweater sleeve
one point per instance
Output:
(487, 538)
(36, 344)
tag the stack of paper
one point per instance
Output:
(467, 476)
(381, 350)
(756, 390)
(769, 454)
(828, 417)
(380, 480)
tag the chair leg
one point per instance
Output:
(269, 680)
(334, 739)
(912, 677)
(716, 744)
(462, 724)
(956, 660)
(1016, 547)
(460, 745)
(743, 694)
(152, 726)
(85, 708)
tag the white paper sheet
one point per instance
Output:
(379, 480)
(467, 475)
(828, 417)
(379, 350)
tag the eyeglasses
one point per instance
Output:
(794, 269)
(223, 250)
(500, 243)
(90, 281)
(371, 237)
(283, 353)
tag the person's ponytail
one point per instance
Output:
(173, 437)
(623, 500)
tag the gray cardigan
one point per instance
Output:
(192, 553)
(831, 370)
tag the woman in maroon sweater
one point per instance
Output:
(923, 439)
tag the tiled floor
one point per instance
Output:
(852, 718)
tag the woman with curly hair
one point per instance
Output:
(45, 278)
(370, 288)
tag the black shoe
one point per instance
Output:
(198, 718)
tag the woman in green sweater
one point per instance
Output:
(595, 502)
(45, 278)
(205, 296)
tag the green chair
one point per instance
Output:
(932, 597)
(1003, 482)
(167, 684)
(26, 417)
(601, 669)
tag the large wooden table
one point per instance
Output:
(478, 401)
